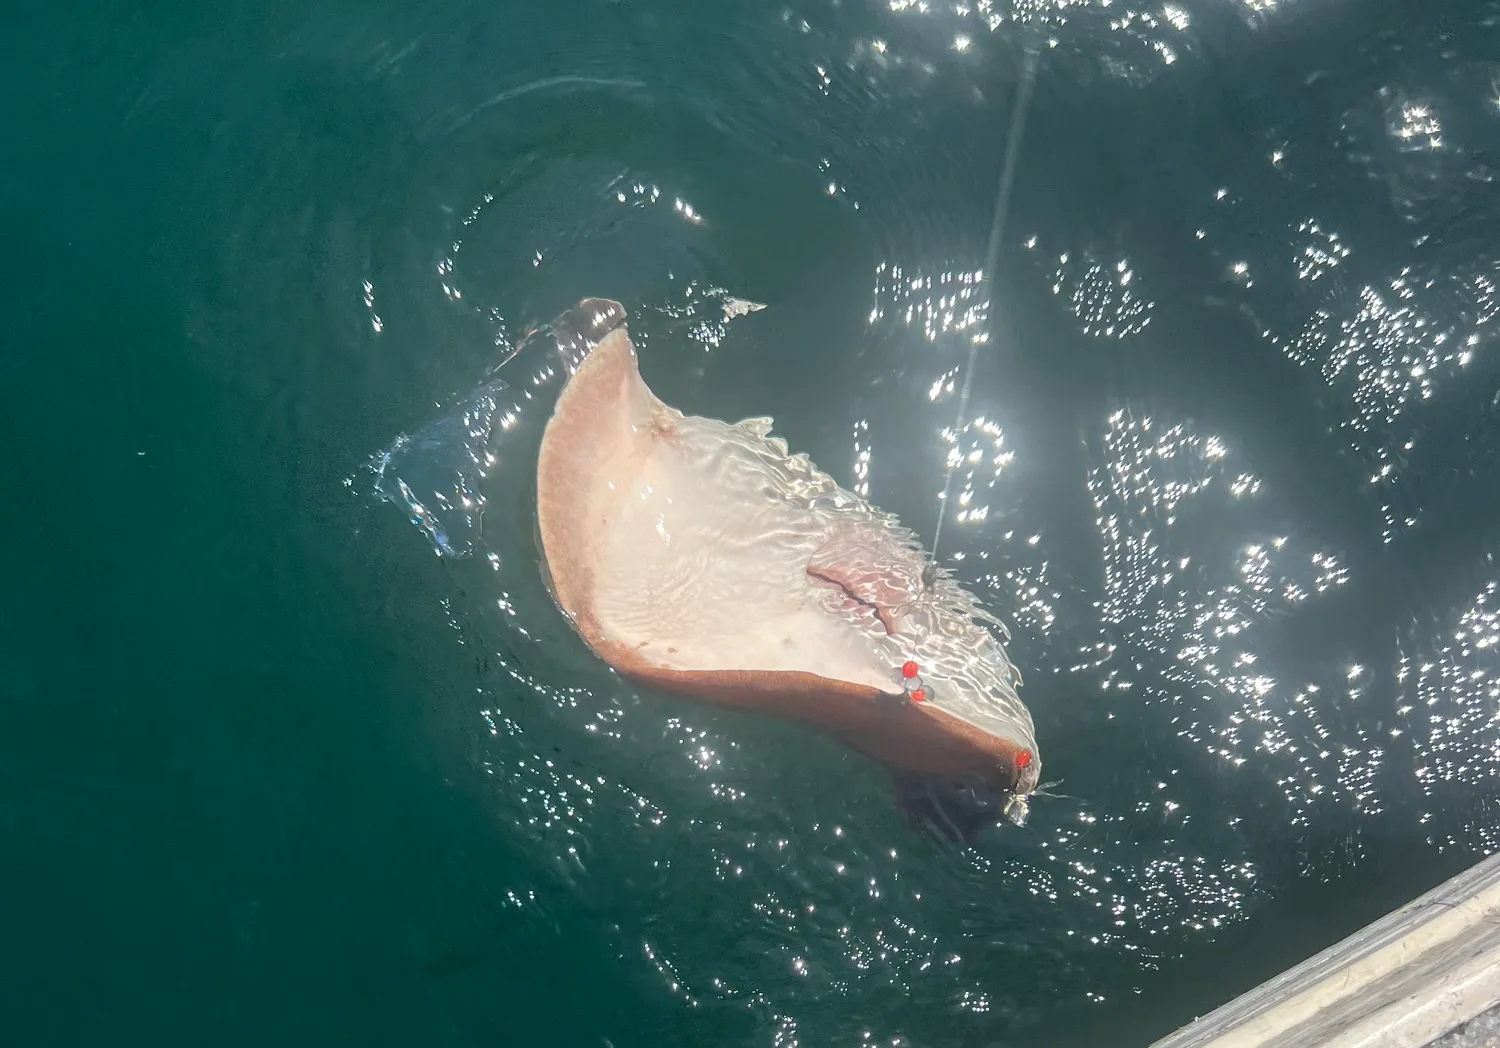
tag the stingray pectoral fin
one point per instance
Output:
(598, 431)
(888, 727)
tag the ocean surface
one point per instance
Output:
(274, 772)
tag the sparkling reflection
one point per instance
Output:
(1450, 714)
(1391, 351)
(1396, 344)
(947, 302)
(1416, 124)
(1101, 294)
(1201, 615)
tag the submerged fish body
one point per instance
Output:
(703, 558)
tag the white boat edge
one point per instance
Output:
(1404, 981)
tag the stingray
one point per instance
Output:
(703, 559)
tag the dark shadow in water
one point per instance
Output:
(940, 806)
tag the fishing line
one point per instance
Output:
(997, 233)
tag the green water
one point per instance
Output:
(273, 773)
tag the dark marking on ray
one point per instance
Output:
(880, 613)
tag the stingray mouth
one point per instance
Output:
(866, 609)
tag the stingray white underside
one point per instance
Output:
(686, 544)
(705, 564)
